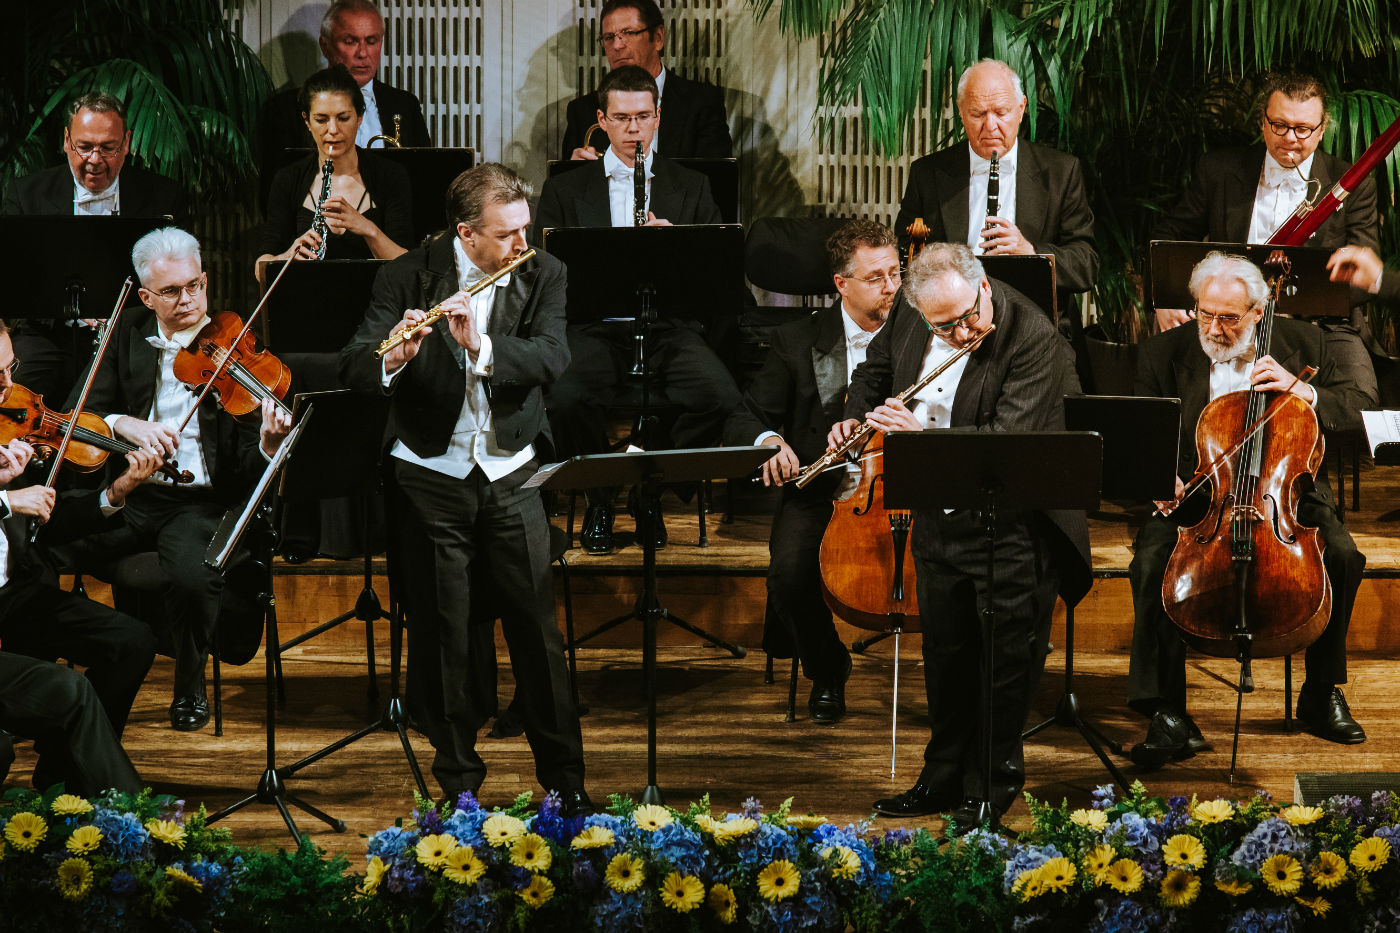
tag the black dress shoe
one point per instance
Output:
(1168, 738)
(189, 713)
(576, 803)
(597, 534)
(974, 814)
(827, 704)
(919, 800)
(1328, 717)
(658, 521)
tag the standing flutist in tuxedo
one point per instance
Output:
(607, 193)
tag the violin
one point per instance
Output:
(251, 374)
(23, 415)
(1247, 580)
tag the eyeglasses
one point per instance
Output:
(626, 120)
(1299, 130)
(966, 319)
(879, 279)
(191, 288)
(103, 151)
(1225, 320)
(10, 370)
(626, 35)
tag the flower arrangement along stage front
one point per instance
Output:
(1141, 863)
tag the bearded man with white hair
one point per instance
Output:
(1196, 364)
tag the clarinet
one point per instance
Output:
(994, 187)
(318, 221)
(639, 188)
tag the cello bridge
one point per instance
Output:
(1246, 513)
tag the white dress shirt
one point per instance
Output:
(97, 204)
(1280, 192)
(370, 124)
(933, 405)
(622, 187)
(173, 401)
(660, 93)
(1233, 375)
(977, 193)
(473, 440)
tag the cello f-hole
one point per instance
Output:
(1274, 521)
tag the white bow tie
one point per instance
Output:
(1276, 176)
(861, 340)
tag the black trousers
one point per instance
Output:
(950, 558)
(686, 369)
(1157, 665)
(795, 585)
(177, 524)
(444, 524)
(62, 712)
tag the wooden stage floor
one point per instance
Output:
(721, 728)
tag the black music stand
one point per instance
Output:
(63, 261)
(1038, 470)
(1308, 293)
(431, 169)
(649, 471)
(723, 175)
(317, 306)
(1032, 276)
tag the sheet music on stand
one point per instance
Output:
(1383, 435)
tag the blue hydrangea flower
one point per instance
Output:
(403, 878)
(465, 826)
(124, 833)
(123, 882)
(585, 875)
(1345, 806)
(1103, 797)
(622, 831)
(388, 843)
(1390, 834)
(681, 847)
(618, 912)
(1122, 915)
(1138, 832)
(479, 913)
(763, 845)
(1283, 919)
(1273, 836)
(1025, 858)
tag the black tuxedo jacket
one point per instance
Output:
(143, 194)
(579, 198)
(1173, 365)
(528, 350)
(77, 513)
(800, 391)
(1052, 210)
(125, 384)
(1014, 381)
(283, 128)
(1219, 202)
(693, 124)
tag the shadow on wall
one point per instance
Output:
(537, 140)
(767, 186)
(294, 54)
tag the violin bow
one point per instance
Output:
(107, 331)
(1187, 491)
(221, 365)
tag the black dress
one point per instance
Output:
(388, 203)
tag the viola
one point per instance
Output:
(23, 415)
(251, 375)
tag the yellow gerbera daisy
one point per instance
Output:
(651, 817)
(463, 866)
(538, 892)
(594, 837)
(707, 823)
(1028, 884)
(1213, 811)
(847, 864)
(1179, 888)
(1057, 874)
(1368, 855)
(1183, 851)
(1124, 876)
(1282, 874)
(1298, 815)
(1329, 870)
(723, 902)
(502, 829)
(778, 880)
(83, 840)
(531, 852)
(433, 850)
(182, 877)
(70, 805)
(805, 824)
(26, 830)
(682, 893)
(730, 830)
(74, 878)
(1096, 820)
(167, 831)
(624, 873)
(1233, 887)
(1096, 862)
(2, 848)
(374, 874)
(1318, 905)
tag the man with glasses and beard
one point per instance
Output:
(1198, 363)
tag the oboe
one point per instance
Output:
(318, 220)
(639, 188)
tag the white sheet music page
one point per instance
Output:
(1382, 427)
